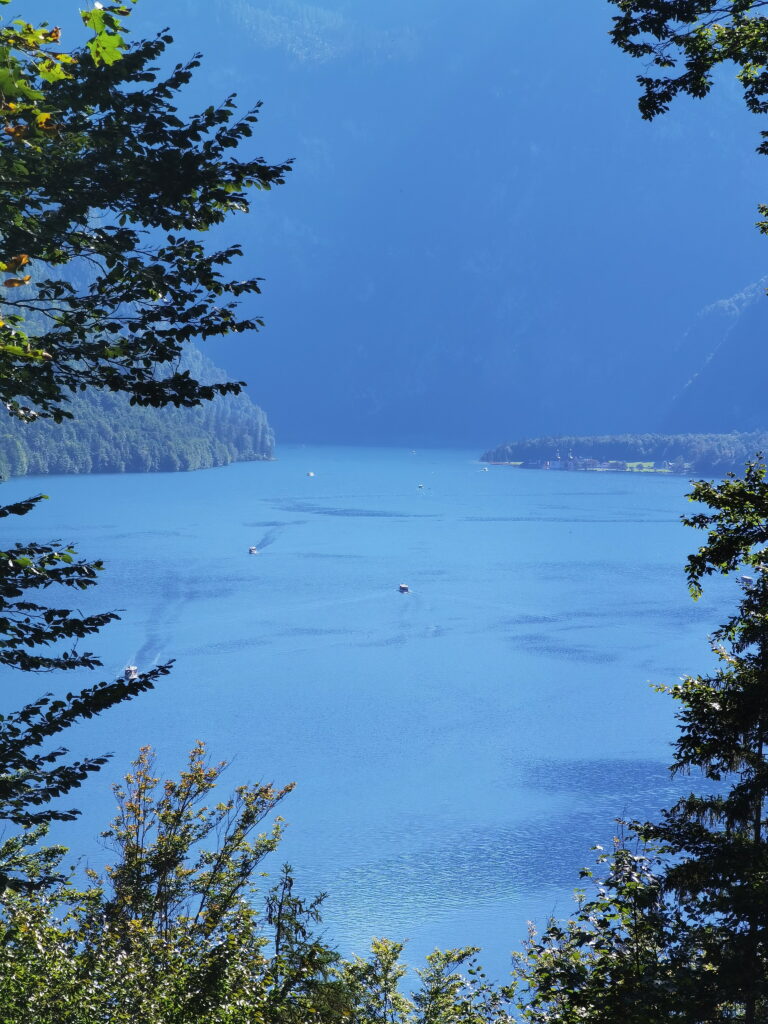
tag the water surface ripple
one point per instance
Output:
(458, 749)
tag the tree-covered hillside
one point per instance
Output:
(109, 435)
(697, 453)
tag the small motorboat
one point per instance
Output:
(404, 588)
(310, 473)
(253, 550)
(131, 673)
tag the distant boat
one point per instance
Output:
(485, 469)
(421, 485)
(404, 588)
(310, 473)
(253, 550)
(131, 673)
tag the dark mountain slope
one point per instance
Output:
(108, 435)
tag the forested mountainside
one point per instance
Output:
(696, 453)
(108, 435)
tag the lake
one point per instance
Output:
(458, 749)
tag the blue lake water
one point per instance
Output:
(458, 749)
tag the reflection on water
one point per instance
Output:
(499, 864)
(458, 750)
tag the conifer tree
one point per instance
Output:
(716, 840)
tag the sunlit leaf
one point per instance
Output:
(106, 48)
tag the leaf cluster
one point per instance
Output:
(688, 40)
(33, 776)
(175, 931)
(121, 184)
(737, 525)
(693, 37)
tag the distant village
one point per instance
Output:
(576, 463)
(678, 454)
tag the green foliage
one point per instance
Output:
(716, 841)
(693, 37)
(171, 933)
(735, 529)
(37, 636)
(447, 996)
(98, 170)
(678, 929)
(302, 979)
(32, 777)
(616, 960)
(375, 985)
(26, 625)
(688, 40)
(107, 44)
(105, 193)
(164, 875)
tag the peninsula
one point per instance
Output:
(648, 453)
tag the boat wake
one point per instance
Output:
(269, 538)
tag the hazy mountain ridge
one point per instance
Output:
(444, 265)
(108, 435)
(717, 391)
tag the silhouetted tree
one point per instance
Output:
(104, 193)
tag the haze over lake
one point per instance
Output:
(458, 749)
